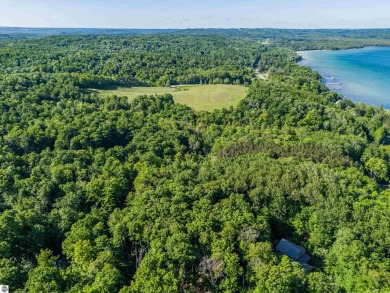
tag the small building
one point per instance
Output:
(295, 253)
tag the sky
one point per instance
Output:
(196, 13)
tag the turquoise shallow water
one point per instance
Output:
(362, 75)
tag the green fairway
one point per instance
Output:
(202, 97)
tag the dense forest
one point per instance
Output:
(111, 195)
(298, 39)
(307, 39)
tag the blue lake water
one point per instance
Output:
(362, 75)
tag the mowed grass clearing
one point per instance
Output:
(198, 97)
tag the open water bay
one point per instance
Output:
(362, 75)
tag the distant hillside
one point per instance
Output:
(42, 32)
(297, 39)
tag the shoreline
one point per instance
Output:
(348, 49)
(357, 87)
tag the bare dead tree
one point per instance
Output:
(212, 269)
(249, 234)
(138, 250)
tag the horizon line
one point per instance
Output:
(195, 28)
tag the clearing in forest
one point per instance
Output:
(198, 97)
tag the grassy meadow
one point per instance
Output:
(198, 97)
